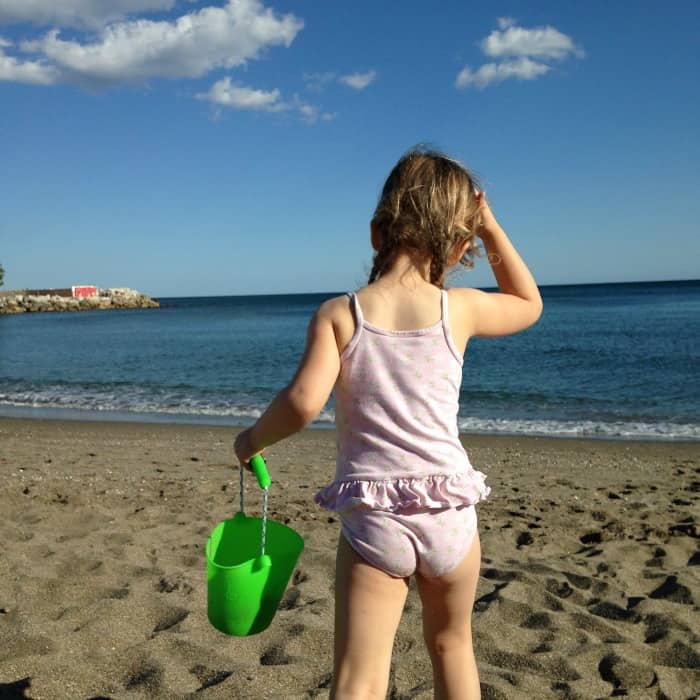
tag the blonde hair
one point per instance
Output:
(427, 208)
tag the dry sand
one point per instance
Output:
(589, 583)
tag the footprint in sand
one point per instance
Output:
(624, 674)
(554, 668)
(595, 537)
(481, 604)
(558, 588)
(538, 621)
(274, 656)
(502, 574)
(541, 648)
(657, 627)
(173, 582)
(611, 611)
(208, 677)
(684, 527)
(145, 675)
(590, 551)
(681, 502)
(291, 599)
(170, 618)
(656, 560)
(524, 539)
(299, 577)
(671, 590)
(583, 582)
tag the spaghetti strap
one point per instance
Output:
(359, 323)
(446, 329)
(355, 305)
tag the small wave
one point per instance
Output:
(618, 429)
(130, 399)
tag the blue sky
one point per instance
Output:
(211, 147)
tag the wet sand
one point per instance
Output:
(589, 581)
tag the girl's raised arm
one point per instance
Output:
(519, 304)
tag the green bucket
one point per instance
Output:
(249, 564)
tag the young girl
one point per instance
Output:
(404, 488)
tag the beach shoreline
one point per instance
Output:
(589, 578)
(116, 417)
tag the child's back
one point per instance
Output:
(396, 402)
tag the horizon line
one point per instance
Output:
(273, 294)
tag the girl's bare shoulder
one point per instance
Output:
(460, 300)
(334, 306)
(338, 311)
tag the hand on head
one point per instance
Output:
(486, 221)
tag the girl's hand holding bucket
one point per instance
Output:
(244, 449)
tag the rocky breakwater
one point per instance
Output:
(120, 298)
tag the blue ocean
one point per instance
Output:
(604, 361)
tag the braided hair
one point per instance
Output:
(427, 208)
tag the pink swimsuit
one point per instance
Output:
(404, 487)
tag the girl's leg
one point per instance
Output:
(447, 611)
(368, 607)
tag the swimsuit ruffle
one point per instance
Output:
(405, 493)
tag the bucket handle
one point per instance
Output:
(259, 467)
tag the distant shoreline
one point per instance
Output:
(58, 300)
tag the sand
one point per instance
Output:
(589, 583)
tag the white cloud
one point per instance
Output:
(316, 82)
(523, 53)
(523, 68)
(187, 47)
(358, 81)
(224, 92)
(17, 71)
(541, 42)
(76, 13)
